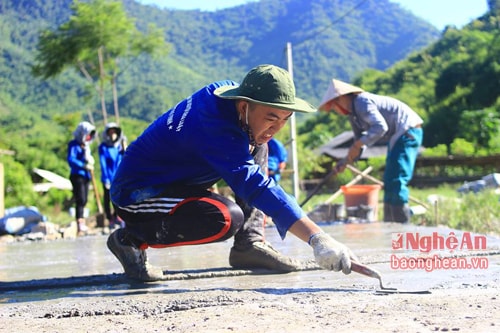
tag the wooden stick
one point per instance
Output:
(332, 173)
(376, 181)
(2, 191)
(352, 182)
(96, 192)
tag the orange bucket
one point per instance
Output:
(357, 195)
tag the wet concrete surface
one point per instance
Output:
(32, 271)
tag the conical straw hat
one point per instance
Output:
(336, 89)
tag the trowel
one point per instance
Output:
(365, 270)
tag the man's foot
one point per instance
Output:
(262, 255)
(134, 261)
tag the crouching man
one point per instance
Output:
(161, 188)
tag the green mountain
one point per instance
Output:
(454, 84)
(327, 37)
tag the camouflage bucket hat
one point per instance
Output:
(267, 85)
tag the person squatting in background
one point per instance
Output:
(81, 165)
(111, 151)
(375, 118)
(161, 188)
(277, 159)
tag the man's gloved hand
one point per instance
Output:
(89, 167)
(107, 185)
(331, 254)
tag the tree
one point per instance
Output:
(94, 40)
(494, 6)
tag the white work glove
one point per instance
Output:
(331, 254)
(90, 159)
(89, 164)
(89, 167)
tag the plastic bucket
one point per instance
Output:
(361, 196)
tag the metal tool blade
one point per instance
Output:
(367, 271)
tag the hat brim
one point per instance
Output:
(231, 92)
(337, 88)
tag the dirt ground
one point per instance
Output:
(465, 309)
(461, 300)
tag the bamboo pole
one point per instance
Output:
(354, 181)
(2, 192)
(379, 182)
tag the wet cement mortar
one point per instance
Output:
(77, 286)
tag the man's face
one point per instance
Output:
(336, 106)
(328, 107)
(264, 121)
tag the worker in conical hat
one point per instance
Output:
(376, 118)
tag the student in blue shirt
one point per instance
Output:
(277, 159)
(81, 163)
(162, 187)
(111, 152)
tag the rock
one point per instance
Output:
(71, 231)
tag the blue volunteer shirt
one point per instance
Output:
(197, 142)
(277, 154)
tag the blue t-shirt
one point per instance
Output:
(277, 154)
(197, 142)
(76, 157)
(110, 157)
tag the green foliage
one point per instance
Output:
(18, 185)
(207, 46)
(477, 212)
(461, 147)
(132, 128)
(93, 41)
(439, 150)
(480, 127)
(322, 128)
(144, 102)
(452, 84)
(454, 80)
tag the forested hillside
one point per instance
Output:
(454, 84)
(328, 37)
(374, 42)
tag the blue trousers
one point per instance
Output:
(400, 163)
